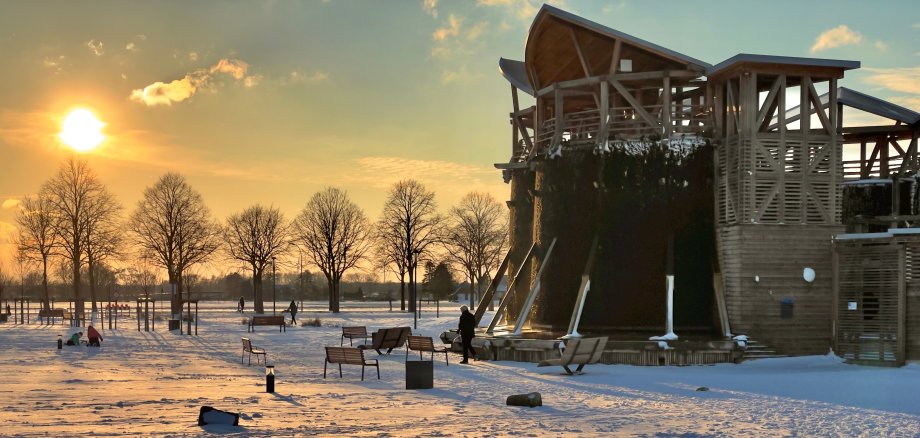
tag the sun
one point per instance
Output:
(81, 130)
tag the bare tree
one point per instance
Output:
(476, 236)
(37, 239)
(103, 237)
(335, 234)
(256, 236)
(74, 191)
(390, 256)
(172, 223)
(410, 220)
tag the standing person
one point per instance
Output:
(94, 337)
(241, 305)
(467, 332)
(293, 309)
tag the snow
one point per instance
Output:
(143, 383)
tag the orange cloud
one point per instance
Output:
(161, 93)
(836, 37)
(10, 203)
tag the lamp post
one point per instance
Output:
(274, 291)
(269, 378)
(415, 288)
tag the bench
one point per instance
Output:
(581, 352)
(248, 348)
(349, 356)
(50, 314)
(422, 344)
(267, 320)
(353, 333)
(388, 338)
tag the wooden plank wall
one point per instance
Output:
(777, 255)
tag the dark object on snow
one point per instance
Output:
(419, 374)
(530, 400)
(209, 415)
(703, 388)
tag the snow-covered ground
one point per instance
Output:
(142, 383)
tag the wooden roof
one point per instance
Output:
(770, 62)
(561, 46)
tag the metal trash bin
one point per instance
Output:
(419, 374)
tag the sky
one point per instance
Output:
(270, 101)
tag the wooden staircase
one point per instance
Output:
(757, 350)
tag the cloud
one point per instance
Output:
(912, 102)
(7, 230)
(10, 203)
(881, 45)
(431, 7)
(193, 56)
(56, 64)
(836, 37)
(298, 76)
(452, 29)
(161, 93)
(475, 31)
(903, 80)
(916, 26)
(523, 10)
(95, 47)
(459, 75)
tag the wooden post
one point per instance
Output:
(666, 107)
(583, 289)
(508, 293)
(493, 286)
(835, 294)
(781, 120)
(528, 304)
(901, 355)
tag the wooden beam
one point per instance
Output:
(604, 114)
(901, 355)
(493, 286)
(509, 293)
(666, 106)
(528, 304)
(559, 115)
(636, 107)
(615, 58)
(768, 103)
(514, 99)
(781, 119)
(581, 55)
(583, 289)
(819, 108)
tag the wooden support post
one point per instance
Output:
(583, 289)
(637, 107)
(604, 114)
(493, 286)
(804, 127)
(666, 106)
(901, 354)
(615, 58)
(781, 120)
(528, 304)
(508, 293)
(558, 110)
(835, 294)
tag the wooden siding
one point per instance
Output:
(776, 255)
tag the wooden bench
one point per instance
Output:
(388, 338)
(349, 356)
(50, 314)
(422, 344)
(579, 352)
(248, 348)
(267, 320)
(353, 333)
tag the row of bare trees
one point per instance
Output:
(74, 217)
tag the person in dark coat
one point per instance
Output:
(241, 305)
(293, 309)
(93, 335)
(467, 329)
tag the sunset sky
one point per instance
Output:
(268, 102)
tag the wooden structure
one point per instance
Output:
(389, 338)
(629, 145)
(277, 320)
(580, 352)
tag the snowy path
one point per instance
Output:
(153, 383)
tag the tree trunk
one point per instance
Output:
(77, 299)
(258, 301)
(402, 293)
(47, 301)
(92, 284)
(333, 294)
(173, 280)
(472, 292)
(412, 290)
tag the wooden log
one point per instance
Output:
(530, 400)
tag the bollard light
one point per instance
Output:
(60, 342)
(269, 378)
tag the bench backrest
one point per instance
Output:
(348, 355)
(421, 343)
(267, 320)
(394, 337)
(583, 351)
(354, 331)
(247, 344)
(51, 313)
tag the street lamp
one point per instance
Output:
(415, 289)
(274, 290)
(270, 378)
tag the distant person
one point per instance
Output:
(241, 305)
(94, 337)
(467, 329)
(293, 309)
(74, 339)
